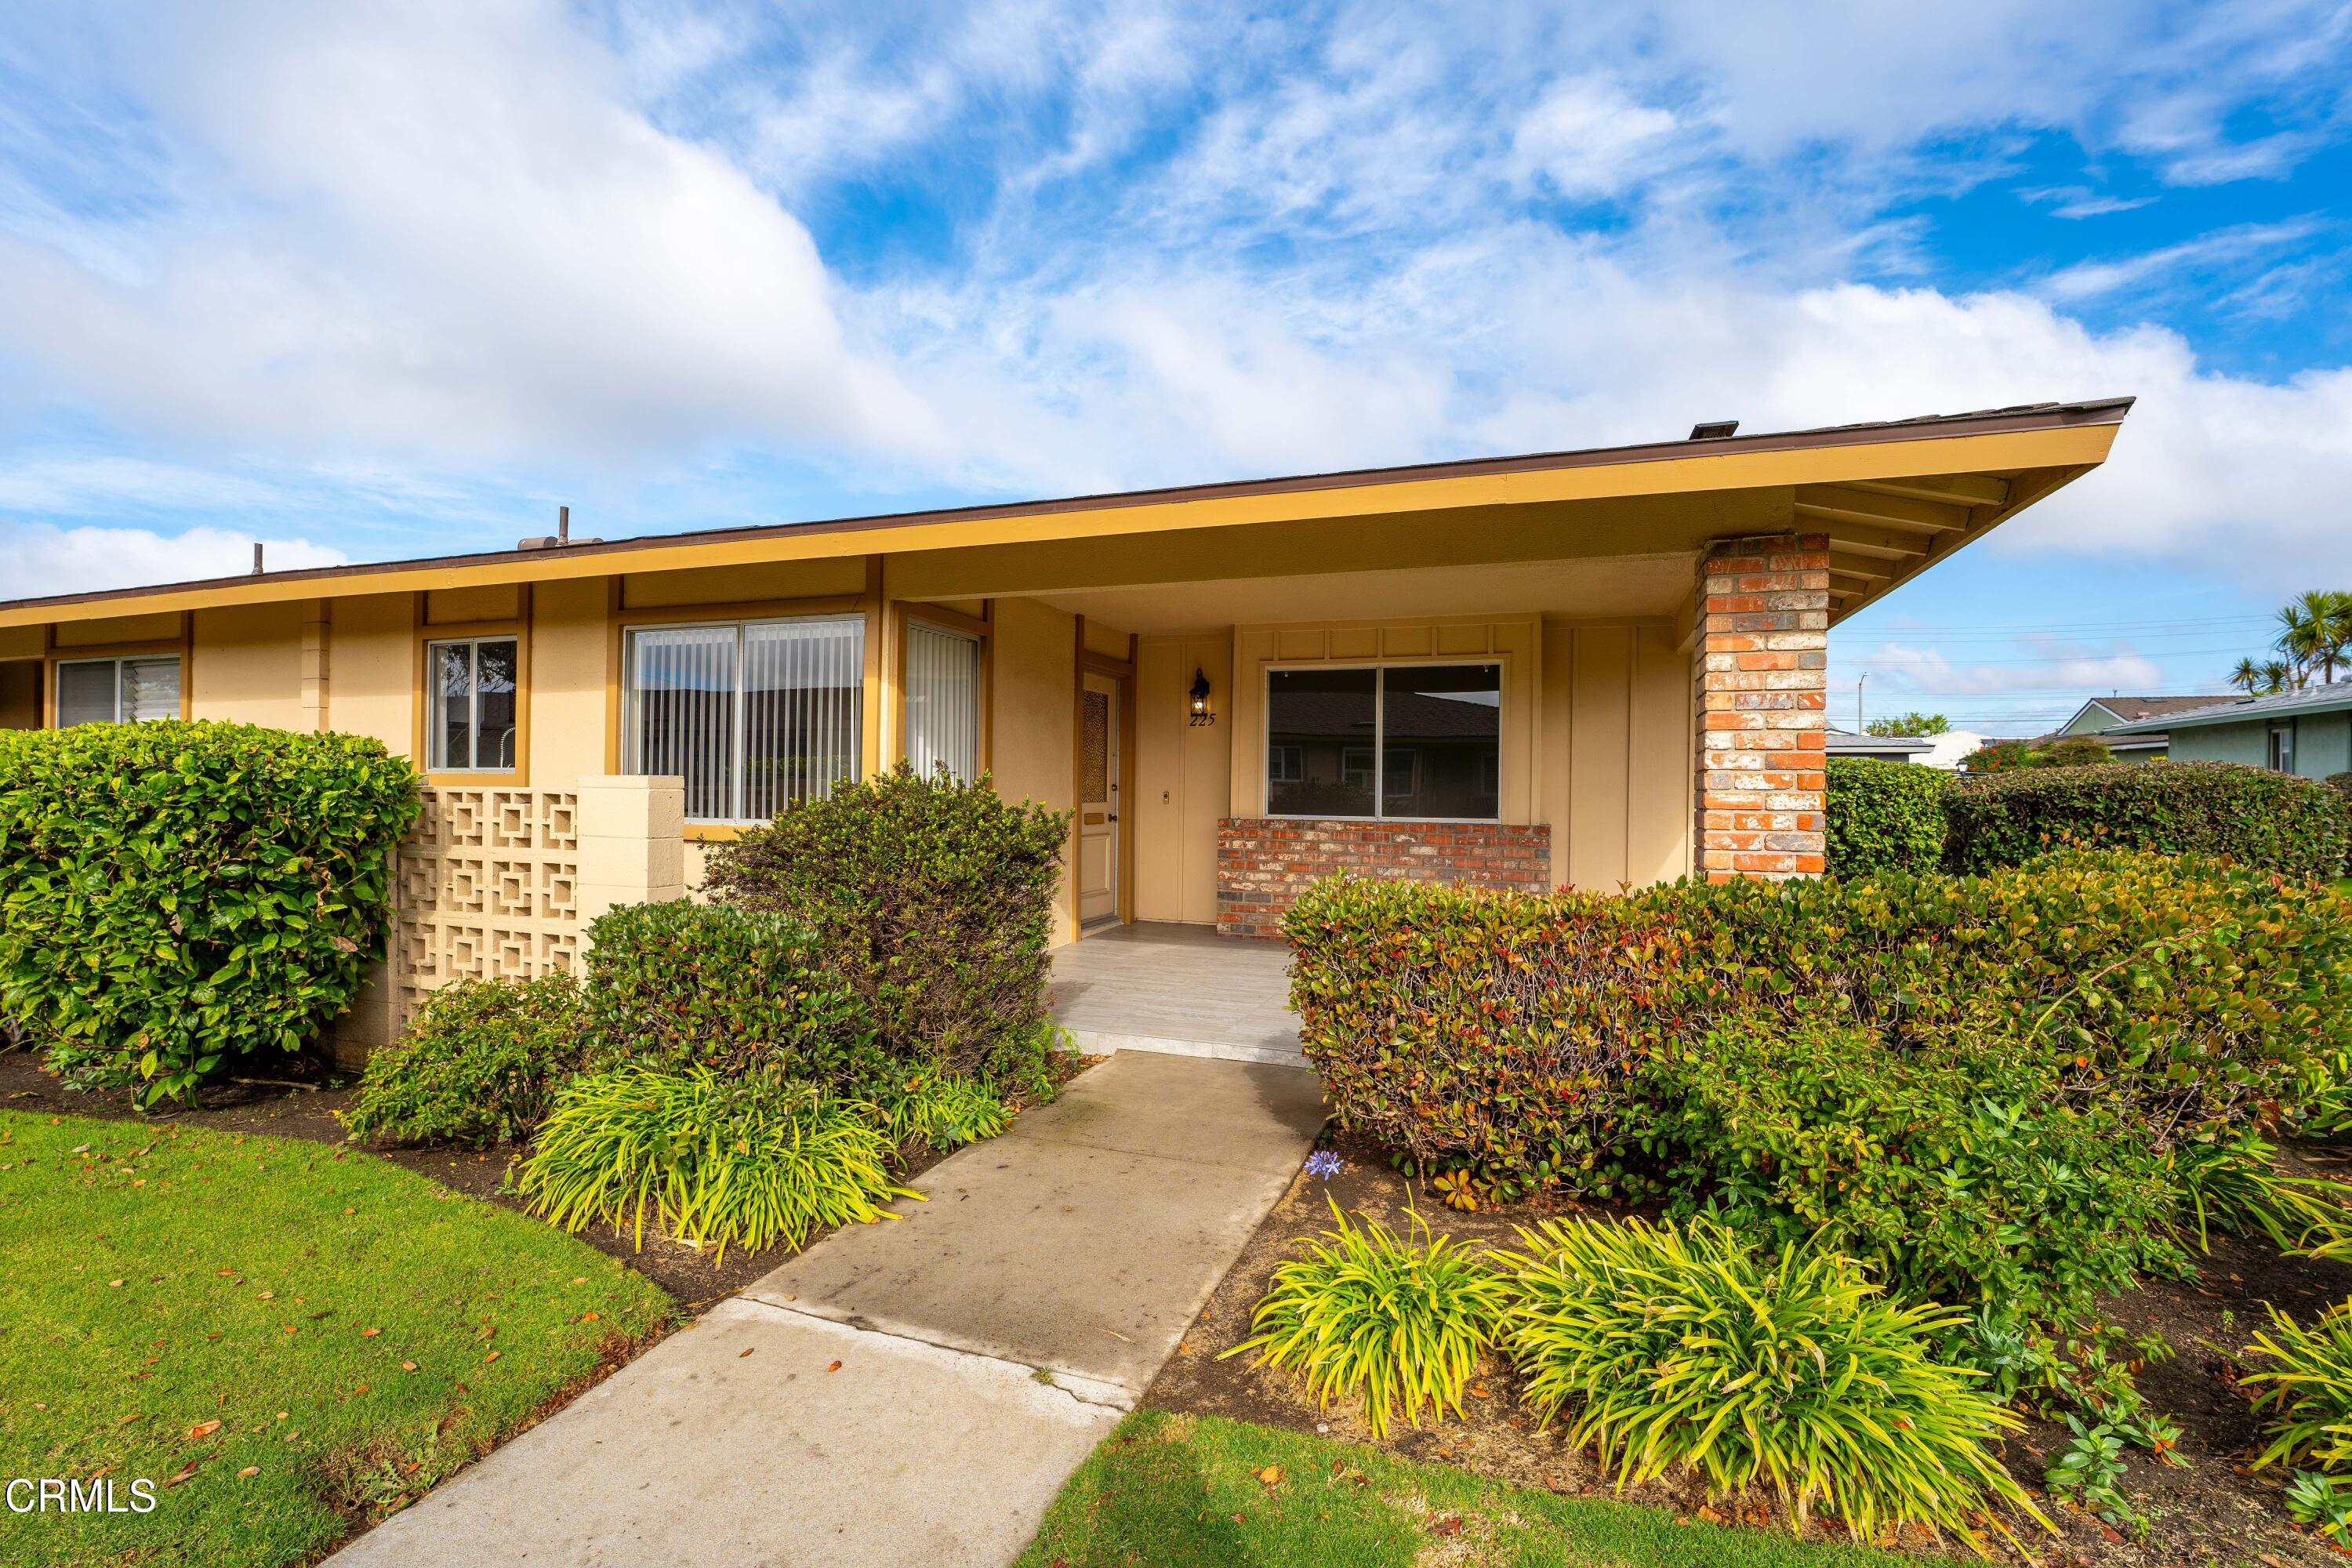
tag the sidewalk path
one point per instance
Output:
(984, 1344)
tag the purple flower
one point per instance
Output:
(1323, 1163)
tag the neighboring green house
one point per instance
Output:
(2307, 731)
(2105, 716)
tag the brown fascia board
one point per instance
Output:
(1985, 422)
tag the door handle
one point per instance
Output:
(1112, 817)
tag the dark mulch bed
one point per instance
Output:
(302, 1102)
(2213, 1511)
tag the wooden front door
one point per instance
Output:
(1099, 836)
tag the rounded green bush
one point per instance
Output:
(176, 897)
(1884, 816)
(1785, 1371)
(2260, 819)
(480, 1064)
(1367, 1313)
(930, 898)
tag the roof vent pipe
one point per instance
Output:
(257, 558)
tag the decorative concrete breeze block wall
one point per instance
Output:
(497, 882)
(1265, 863)
(1761, 677)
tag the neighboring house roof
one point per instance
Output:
(2152, 740)
(2333, 698)
(2133, 709)
(1846, 744)
(1412, 715)
(1892, 495)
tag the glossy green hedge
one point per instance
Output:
(175, 896)
(1507, 1030)
(1949, 1164)
(1884, 816)
(679, 985)
(2268, 821)
(931, 900)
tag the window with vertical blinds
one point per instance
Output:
(942, 700)
(754, 715)
(117, 690)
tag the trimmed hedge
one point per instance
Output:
(1884, 817)
(1506, 1030)
(480, 1064)
(931, 900)
(677, 985)
(180, 896)
(1500, 1029)
(2270, 821)
(2342, 784)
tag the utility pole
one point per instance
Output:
(1857, 703)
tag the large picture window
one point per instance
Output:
(942, 700)
(117, 690)
(470, 705)
(1435, 731)
(755, 715)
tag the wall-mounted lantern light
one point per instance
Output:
(1200, 714)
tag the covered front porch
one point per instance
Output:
(1155, 985)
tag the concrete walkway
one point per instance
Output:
(1154, 986)
(913, 1392)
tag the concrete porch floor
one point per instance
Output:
(1181, 989)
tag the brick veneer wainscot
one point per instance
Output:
(1263, 863)
(1761, 674)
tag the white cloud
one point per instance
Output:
(449, 237)
(1587, 138)
(1929, 670)
(39, 559)
(2235, 246)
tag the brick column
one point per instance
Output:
(1761, 675)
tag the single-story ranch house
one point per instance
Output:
(1595, 668)
(2307, 731)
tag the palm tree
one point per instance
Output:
(2247, 676)
(2279, 676)
(2303, 631)
(2336, 630)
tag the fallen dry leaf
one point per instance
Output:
(490, 1358)
(747, 1349)
(835, 1367)
(1269, 1476)
(249, 1471)
(408, 1366)
(202, 1429)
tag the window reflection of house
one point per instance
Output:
(1434, 730)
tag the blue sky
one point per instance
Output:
(369, 281)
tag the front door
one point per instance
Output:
(1098, 827)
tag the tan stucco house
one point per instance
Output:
(1595, 668)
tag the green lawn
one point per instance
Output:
(180, 1303)
(1176, 1491)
